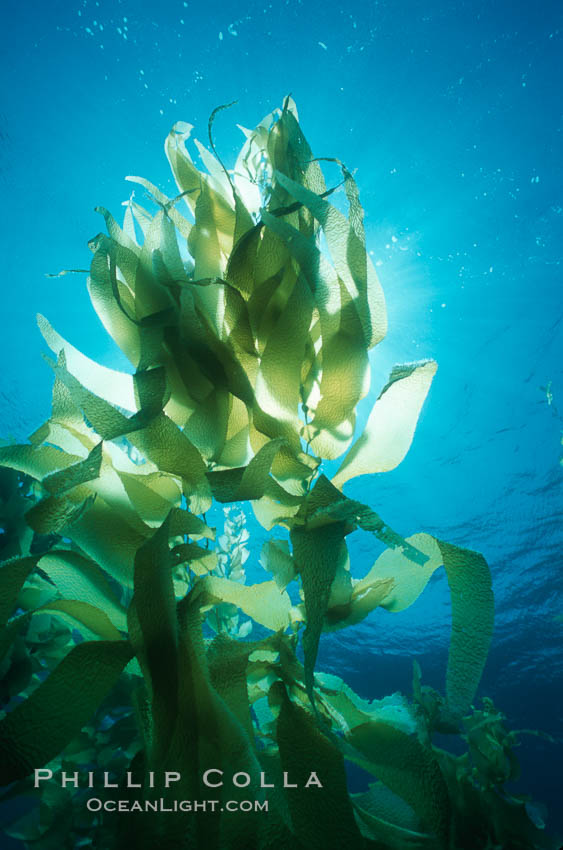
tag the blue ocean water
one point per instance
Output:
(451, 113)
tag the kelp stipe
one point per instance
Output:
(248, 323)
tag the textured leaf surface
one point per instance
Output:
(38, 729)
(469, 579)
(407, 768)
(390, 428)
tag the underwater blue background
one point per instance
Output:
(451, 113)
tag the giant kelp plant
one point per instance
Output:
(125, 645)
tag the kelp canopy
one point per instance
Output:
(248, 324)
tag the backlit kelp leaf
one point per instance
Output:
(114, 387)
(151, 495)
(263, 602)
(108, 295)
(201, 561)
(169, 204)
(276, 558)
(389, 431)
(408, 577)
(87, 618)
(408, 768)
(322, 817)
(472, 605)
(348, 710)
(211, 237)
(250, 482)
(184, 522)
(362, 601)
(171, 451)
(54, 514)
(159, 439)
(152, 298)
(278, 381)
(344, 379)
(471, 592)
(350, 259)
(221, 348)
(240, 267)
(37, 462)
(80, 578)
(78, 473)
(273, 510)
(325, 504)
(59, 707)
(160, 269)
(104, 535)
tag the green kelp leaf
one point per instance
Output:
(56, 513)
(151, 495)
(77, 473)
(350, 259)
(276, 559)
(154, 633)
(344, 379)
(391, 424)
(272, 510)
(36, 461)
(215, 333)
(348, 710)
(469, 580)
(408, 768)
(77, 577)
(168, 447)
(188, 178)
(108, 539)
(228, 662)
(263, 602)
(322, 818)
(242, 260)
(159, 439)
(386, 818)
(106, 420)
(361, 603)
(249, 482)
(408, 577)
(15, 499)
(152, 299)
(81, 614)
(317, 554)
(200, 560)
(114, 387)
(211, 237)
(278, 381)
(13, 574)
(108, 295)
(206, 734)
(325, 505)
(184, 522)
(9, 634)
(169, 204)
(471, 592)
(38, 728)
